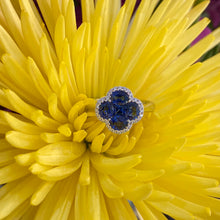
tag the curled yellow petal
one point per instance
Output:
(24, 141)
(60, 172)
(41, 192)
(111, 165)
(60, 153)
(109, 187)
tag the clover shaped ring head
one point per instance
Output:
(119, 110)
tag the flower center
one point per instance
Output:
(61, 141)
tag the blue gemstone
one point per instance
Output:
(118, 122)
(120, 110)
(133, 110)
(106, 110)
(119, 97)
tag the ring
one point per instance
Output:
(119, 110)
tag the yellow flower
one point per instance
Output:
(58, 161)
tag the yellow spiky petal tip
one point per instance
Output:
(58, 161)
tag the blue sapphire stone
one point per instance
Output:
(119, 97)
(120, 110)
(106, 110)
(133, 110)
(118, 122)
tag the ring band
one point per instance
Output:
(148, 106)
(119, 110)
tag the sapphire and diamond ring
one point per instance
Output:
(119, 110)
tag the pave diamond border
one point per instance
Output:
(108, 99)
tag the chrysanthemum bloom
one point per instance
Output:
(58, 161)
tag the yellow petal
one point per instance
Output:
(7, 156)
(21, 192)
(62, 204)
(19, 125)
(43, 121)
(66, 129)
(10, 47)
(111, 165)
(37, 168)
(97, 143)
(136, 191)
(120, 208)
(53, 137)
(95, 207)
(78, 136)
(60, 153)
(148, 175)
(54, 109)
(13, 23)
(109, 187)
(59, 34)
(192, 207)
(18, 104)
(25, 159)
(12, 172)
(24, 141)
(65, 201)
(170, 209)
(19, 211)
(41, 192)
(81, 202)
(61, 172)
(157, 195)
(84, 178)
(145, 212)
(38, 79)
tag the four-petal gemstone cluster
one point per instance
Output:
(119, 109)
